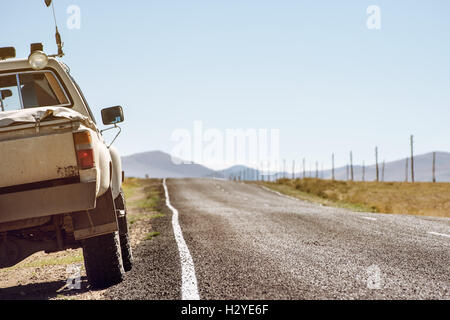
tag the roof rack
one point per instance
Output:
(7, 53)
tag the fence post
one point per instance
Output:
(406, 170)
(293, 169)
(332, 167)
(263, 178)
(434, 167)
(364, 172)
(317, 170)
(412, 158)
(376, 165)
(351, 166)
(304, 168)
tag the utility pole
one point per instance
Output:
(293, 169)
(278, 167)
(317, 170)
(376, 165)
(274, 171)
(382, 170)
(304, 168)
(351, 166)
(363, 172)
(406, 170)
(284, 168)
(434, 167)
(332, 167)
(412, 158)
(262, 171)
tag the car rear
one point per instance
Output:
(45, 173)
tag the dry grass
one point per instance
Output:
(427, 199)
(144, 198)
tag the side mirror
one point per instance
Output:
(6, 93)
(112, 115)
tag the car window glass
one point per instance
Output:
(41, 89)
(9, 93)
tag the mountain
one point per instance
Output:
(251, 174)
(157, 164)
(244, 171)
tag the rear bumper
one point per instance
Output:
(48, 201)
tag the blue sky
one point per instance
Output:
(309, 68)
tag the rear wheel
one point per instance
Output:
(125, 244)
(103, 260)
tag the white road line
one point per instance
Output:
(189, 289)
(280, 194)
(440, 234)
(370, 218)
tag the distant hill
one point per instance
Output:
(157, 164)
(233, 171)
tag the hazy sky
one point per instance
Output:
(309, 68)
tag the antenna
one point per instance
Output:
(59, 43)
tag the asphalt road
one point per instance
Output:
(250, 243)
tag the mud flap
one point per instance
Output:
(99, 221)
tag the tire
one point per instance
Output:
(125, 245)
(103, 260)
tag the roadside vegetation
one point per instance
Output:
(151, 235)
(426, 199)
(144, 198)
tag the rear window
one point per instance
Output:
(33, 89)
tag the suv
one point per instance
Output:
(60, 183)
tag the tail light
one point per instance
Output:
(83, 147)
(85, 159)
